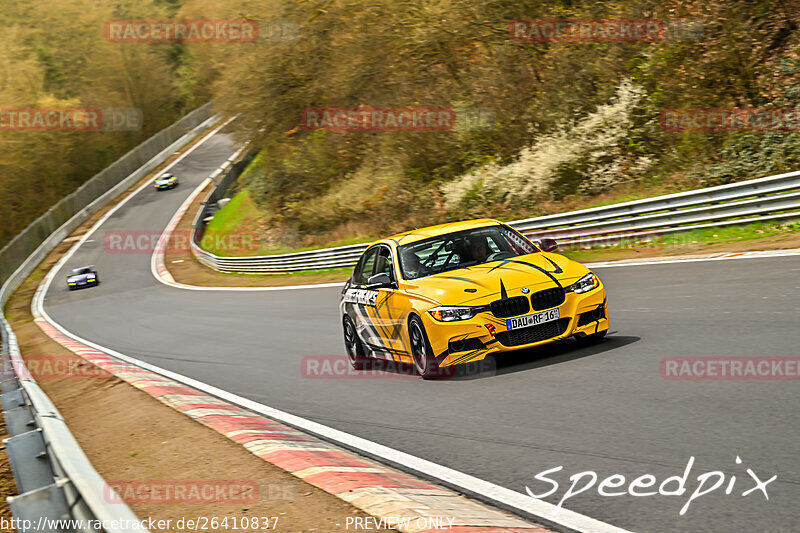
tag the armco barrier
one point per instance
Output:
(762, 199)
(54, 478)
(223, 179)
(97, 191)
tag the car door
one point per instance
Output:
(358, 300)
(388, 313)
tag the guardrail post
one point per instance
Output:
(19, 420)
(8, 385)
(38, 508)
(13, 399)
(27, 455)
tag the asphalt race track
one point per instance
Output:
(604, 408)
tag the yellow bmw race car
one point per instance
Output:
(450, 294)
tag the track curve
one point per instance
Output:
(603, 408)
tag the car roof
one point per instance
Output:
(440, 229)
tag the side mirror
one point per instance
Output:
(379, 281)
(548, 245)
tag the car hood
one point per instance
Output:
(79, 277)
(488, 281)
(164, 181)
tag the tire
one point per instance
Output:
(421, 351)
(594, 338)
(355, 349)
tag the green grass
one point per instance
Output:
(270, 250)
(704, 237)
(241, 217)
(228, 219)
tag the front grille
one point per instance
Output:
(547, 298)
(466, 345)
(508, 307)
(591, 316)
(542, 332)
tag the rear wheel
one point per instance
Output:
(355, 350)
(424, 361)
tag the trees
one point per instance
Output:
(59, 58)
(456, 53)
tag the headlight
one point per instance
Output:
(585, 284)
(450, 314)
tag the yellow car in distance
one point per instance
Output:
(450, 294)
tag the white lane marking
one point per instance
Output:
(177, 285)
(157, 258)
(67, 256)
(501, 496)
(470, 485)
(762, 254)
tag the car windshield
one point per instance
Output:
(462, 249)
(84, 270)
(165, 177)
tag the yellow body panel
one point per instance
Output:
(389, 310)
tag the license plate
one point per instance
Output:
(532, 320)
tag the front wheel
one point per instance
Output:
(355, 350)
(424, 361)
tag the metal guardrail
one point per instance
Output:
(97, 191)
(762, 199)
(54, 478)
(223, 178)
(59, 489)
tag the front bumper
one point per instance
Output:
(472, 340)
(81, 284)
